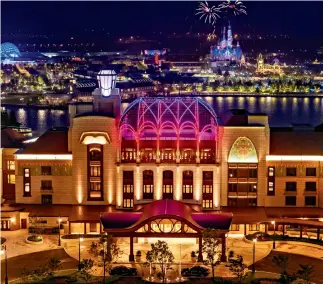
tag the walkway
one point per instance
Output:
(16, 245)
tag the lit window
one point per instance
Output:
(271, 186)
(11, 179)
(128, 203)
(271, 172)
(26, 172)
(27, 187)
(254, 227)
(11, 165)
(234, 227)
(46, 170)
(207, 203)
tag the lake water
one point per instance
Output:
(282, 111)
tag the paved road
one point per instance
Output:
(266, 264)
(33, 260)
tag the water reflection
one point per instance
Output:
(282, 111)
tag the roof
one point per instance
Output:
(10, 138)
(53, 141)
(296, 143)
(131, 221)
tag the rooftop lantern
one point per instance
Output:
(107, 81)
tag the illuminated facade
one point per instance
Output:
(173, 148)
(265, 68)
(225, 50)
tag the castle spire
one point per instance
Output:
(230, 38)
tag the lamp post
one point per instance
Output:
(4, 251)
(104, 258)
(80, 240)
(180, 263)
(274, 243)
(59, 230)
(254, 255)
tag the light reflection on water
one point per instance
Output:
(282, 111)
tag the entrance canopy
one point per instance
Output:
(164, 216)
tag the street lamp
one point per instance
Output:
(274, 243)
(180, 264)
(4, 251)
(59, 230)
(80, 240)
(254, 255)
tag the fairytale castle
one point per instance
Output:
(225, 50)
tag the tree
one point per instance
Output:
(237, 267)
(281, 260)
(4, 118)
(107, 249)
(54, 264)
(86, 266)
(162, 255)
(305, 272)
(211, 248)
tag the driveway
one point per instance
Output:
(33, 260)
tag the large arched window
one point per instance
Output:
(187, 185)
(168, 184)
(242, 173)
(148, 184)
(95, 172)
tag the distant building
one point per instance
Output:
(225, 51)
(265, 68)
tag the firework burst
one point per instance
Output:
(236, 7)
(209, 13)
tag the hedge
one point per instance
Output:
(266, 237)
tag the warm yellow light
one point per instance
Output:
(294, 158)
(273, 222)
(59, 220)
(81, 239)
(94, 140)
(2, 252)
(254, 240)
(13, 220)
(43, 157)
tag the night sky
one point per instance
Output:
(297, 19)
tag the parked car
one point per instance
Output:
(124, 271)
(197, 271)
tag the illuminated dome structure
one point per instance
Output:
(169, 128)
(9, 50)
(225, 50)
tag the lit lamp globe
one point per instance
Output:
(107, 81)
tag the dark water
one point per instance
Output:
(282, 111)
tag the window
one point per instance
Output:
(46, 170)
(187, 187)
(252, 202)
(232, 202)
(310, 200)
(128, 154)
(271, 181)
(271, 171)
(207, 186)
(254, 227)
(167, 184)
(290, 200)
(234, 227)
(27, 180)
(11, 165)
(127, 203)
(148, 184)
(46, 184)
(291, 172)
(233, 173)
(252, 187)
(93, 227)
(311, 172)
(11, 179)
(310, 186)
(26, 172)
(46, 199)
(290, 186)
(207, 203)
(253, 173)
(95, 172)
(233, 187)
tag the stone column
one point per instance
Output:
(131, 255)
(224, 249)
(200, 256)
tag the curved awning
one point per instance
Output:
(164, 209)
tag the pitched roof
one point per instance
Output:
(53, 141)
(296, 143)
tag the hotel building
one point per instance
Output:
(167, 166)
